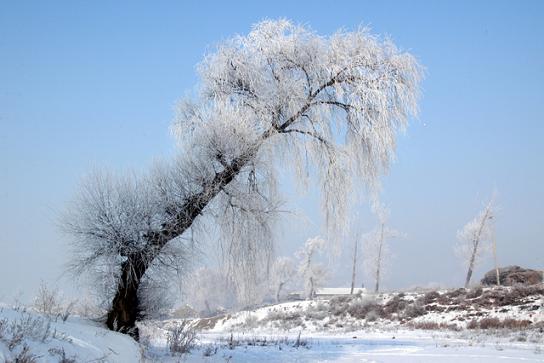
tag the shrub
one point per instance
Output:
(210, 350)
(430, 296)
(516, 324)
(67, 310)
(431, 325)
(475, 292)
(182, 338)
(494, 323)
(25, 356)
(251, 321)
(62, 355)
(359, 308)
(490, 323)
(425, 325)
(47, 300)
(414, 310)
(395, 305)
(456, 293)
(372, 315)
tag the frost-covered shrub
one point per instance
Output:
(15, 333)
(285, 320)
(475, 292)
(394, 306)
(316, 314)
(61, 354)
(430, 297)
(431, 325)
(372, 315)
(495, 323)
(456, 293)
(338, 305)
(251, 321)
(359, 308)
(25, 356)
(210, 350)
(48, 300)
(182, 338)
(414, 310)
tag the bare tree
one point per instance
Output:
(474, 239)
(330, 107)
(283, 272)
(313, 273)
(354, 265)
(377, 252)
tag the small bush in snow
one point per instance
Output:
(372, 315)
(59, 352)
(361, 307)
(251, 321)
(495, 323)
(182, 338)
(430, 297)
(25, 356)
(26, 327)
(475, 292)
(210, 350)
(394, 306)
(414, 310)
(47, 300)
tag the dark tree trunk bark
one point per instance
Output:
(125, 309)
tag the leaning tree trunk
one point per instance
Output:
(471, 264)
(125, 308)
(280, 286)
(475, 244)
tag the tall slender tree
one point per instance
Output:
(474, 239)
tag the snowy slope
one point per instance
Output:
(432, 326)
(48, 340)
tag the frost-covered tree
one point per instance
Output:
(328, 106)
(474, 239)
(283, 273)
(312, 272)
(354, 264)
(376, 247)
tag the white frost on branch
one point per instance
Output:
(328, 107)
(312, 272)
(376, 250)
(283, 274)
(474, 239)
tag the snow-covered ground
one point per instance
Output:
(385, 328)
(50, 340)
(410, 327)
(361, 347)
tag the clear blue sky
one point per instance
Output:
(86, 84)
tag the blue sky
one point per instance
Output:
(86, 84)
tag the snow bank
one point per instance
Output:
(24, 332)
